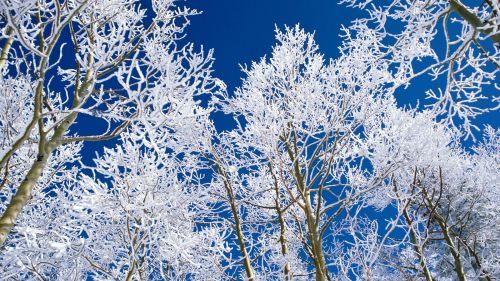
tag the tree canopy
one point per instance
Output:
(326, 174)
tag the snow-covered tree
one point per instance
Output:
(140, 213)
(443, 197)
(456, 45)
(324, 176)
(296, 157)
(67, 62)
(318, 146)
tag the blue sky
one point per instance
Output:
(241, 31)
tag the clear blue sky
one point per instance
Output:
(243, 30)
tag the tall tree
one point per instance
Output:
(301, 123)
(75, 61)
